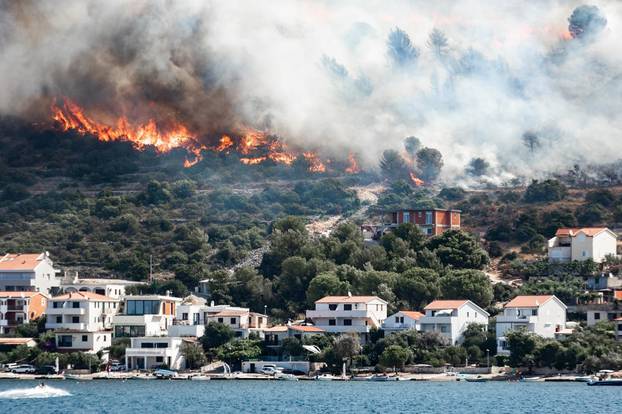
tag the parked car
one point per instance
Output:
(46, 370)
(164, 373)
(270, 369)
(23, 369)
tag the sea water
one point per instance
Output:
(234, 396)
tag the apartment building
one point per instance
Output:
(31, 272)
(450, 318)
(17, 308)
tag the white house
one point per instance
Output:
(189, 318)
(241, 320)
(145, 315)
(585, 243)
(113, 288)
(349, 314)
(401, 321)
(450, 318)
(274, 335)
(151, 352)
(82, 321)
(543, 315)
(28, 272)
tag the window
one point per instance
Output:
(184, 316)
(85, 338)
(428, 217)
(347, 322)
(347, 307)
(220, 320)
(129, 331)
(233, 321)
(75, 305)
(332, 306)
(406, 217)
(75, 319)
(443, 328)
(146, 345)
(596, 315)
(468, 314)
(143, 307)
(57, 305)
(620, 327)
(59, 319)
(332, 322)
(428, 231)
(397, 319)
(534, 312)
(159, 359)
(161, 345)
(65, 341)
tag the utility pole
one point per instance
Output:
(150, 268)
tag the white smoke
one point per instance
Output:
(319, 72)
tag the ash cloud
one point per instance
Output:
(470, 78)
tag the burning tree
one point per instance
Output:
(400, 48)
(393, 165)
(429, 163)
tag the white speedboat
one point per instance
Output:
(75, 377)
(200, 378)
(383, 377)
(324, 377)
(368, 378)
(286, 377)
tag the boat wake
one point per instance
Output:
(36, 392)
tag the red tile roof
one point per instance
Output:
(17, 341)
(306, 328)
(348, 299)
(413, 314)
(278, 328)
(445, 304)
(528, 301)
(573, 231)
(29, 261)
(84, 296)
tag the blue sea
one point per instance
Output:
(305, 397)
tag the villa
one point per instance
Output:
(145, 315)
(349, 314)
(542, 315)
(450, 318)
(152, 352)
(113, 288)
(33, 272)
(570, 244)
(401, 321)
(82, 321)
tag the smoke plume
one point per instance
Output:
(469, 78)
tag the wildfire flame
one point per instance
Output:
(417, 181)
(353, 165)
(256, 146)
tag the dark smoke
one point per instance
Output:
(586, 21)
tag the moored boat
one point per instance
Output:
(324, 377)
(606, 382)
(200, 378)
(383, 377)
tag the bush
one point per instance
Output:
(545, 191)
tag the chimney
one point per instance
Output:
(349, 294)
(168, 293)
(211, 304)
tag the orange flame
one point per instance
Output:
(315, 164)
(417, 181)
(353, 165)
(224, 143)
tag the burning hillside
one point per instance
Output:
(253, 146)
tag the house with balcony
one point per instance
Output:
(190, 319)
(402, 321)
(450, 318)
(151, 352)
(241, 320)
(17, 308)
(113, 288)
(32, 272)
(603, 312)
(145, 315)
(274, 335)
(570, 244)
(349, 314)
(82, 321)
(543, 315)
(432, 221)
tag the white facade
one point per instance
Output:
(28, 272)
(18, 308)
(81, 320)
(450, 318)
(401, 321)
(113, 288)
(151, 352)
(349, 314)
(542, 315)
(582, 244)
(145, 315)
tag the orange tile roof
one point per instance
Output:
(18, 294)
(278, 328)
(573, 231)
(348, 299)
(413, 314)
(528, 301)
(16, 341)
(29, 261)
(84, 296)
(445, 304)
(306, 328)
(231, 313)
(617, 294)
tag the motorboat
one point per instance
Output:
(531, 379)
(586, 378)
(286, 377)
(610, 382)
(383, 377)
(75, 377)
(200, 378)
(164, 373)
(479, 378)
(325, 377)
(355, 378)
